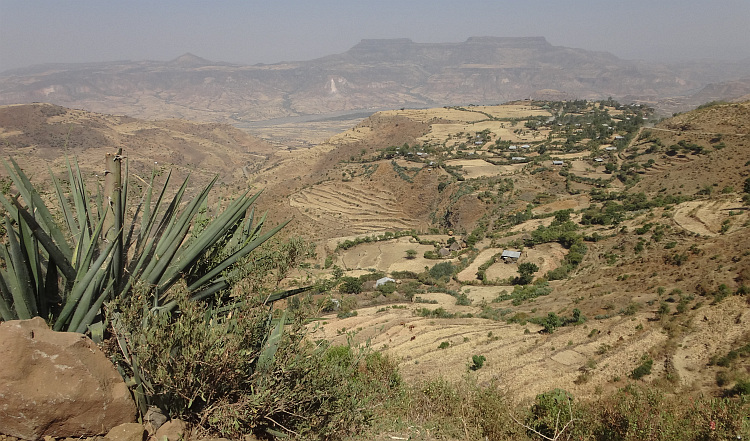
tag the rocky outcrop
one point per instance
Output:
(57, 384)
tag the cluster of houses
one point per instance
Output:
(447, 250)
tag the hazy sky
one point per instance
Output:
(249, 31)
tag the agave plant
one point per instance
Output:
(65, 268)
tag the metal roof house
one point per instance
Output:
(383, 281)
(510, 256)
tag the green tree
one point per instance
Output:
(526, 272)
(411, 253)
(338, 272)
(350, 285)
(552, 322)
(442, 272)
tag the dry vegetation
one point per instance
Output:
(657, 224)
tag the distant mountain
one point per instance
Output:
(374, 74)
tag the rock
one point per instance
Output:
(173, 430)
(126, 432)
(154, 419)
(57, 384)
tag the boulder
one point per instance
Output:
(126, 432)
(57, 384)
(173, 430)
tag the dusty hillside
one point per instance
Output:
(638, 232)
(662, 267)
(43, 135)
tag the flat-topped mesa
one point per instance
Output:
(405, 50)
(517, 42)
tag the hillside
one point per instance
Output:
(633, 233)
(374, 74)
(641, 230)
(39, 136)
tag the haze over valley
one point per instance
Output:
(472, 229)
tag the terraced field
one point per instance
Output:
(361, 209)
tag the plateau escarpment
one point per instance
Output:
(374, 74)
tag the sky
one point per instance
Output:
(271, 31)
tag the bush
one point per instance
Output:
(387, 288)
(643, 369)
(550, 412)
(477, 361)
(350, 285)
(741, 387)
(526, 272)
(463, 300)
(226, 373)
(442, 272)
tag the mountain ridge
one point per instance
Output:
(373, 74)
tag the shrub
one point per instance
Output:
(477, 361)
(387, 288)
(550, 413)
(643, 369)
(226, 372)
(526, 272)
(741, 387)
(442, 272)
(350, 285)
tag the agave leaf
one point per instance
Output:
(95, 309)
(30, 195)
(174, 239)
(97, 332)
(265, 358)
(31, 253)
(165, 238)
(81, 283)
(62, 201)
(6, 311)
(149, 217)
(285, 294)
(224, 224)
(207, 291)
(235, 257)
(82, 305)
(19, 284)
(46, 241)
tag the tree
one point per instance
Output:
(526, 272)
(551, 322)
(562, 216)
(411, 254)
(350, 285)
(338, 272)
(442, 271)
